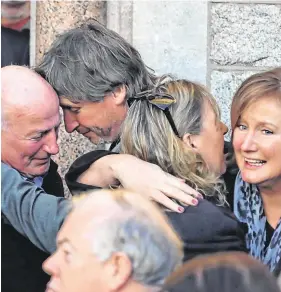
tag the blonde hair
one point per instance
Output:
(148, 135)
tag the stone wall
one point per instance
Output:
(218, 43)
(244, 38)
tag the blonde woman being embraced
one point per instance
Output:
(177, 127)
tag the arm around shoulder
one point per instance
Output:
(32, 212)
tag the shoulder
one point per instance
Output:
(203, 221)
(207, 229)
(8, 172)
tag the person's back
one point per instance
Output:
(207, 228)
(179, 120)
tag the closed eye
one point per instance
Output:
(37, 138)
(74, 110)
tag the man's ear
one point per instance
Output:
(119, 95)
(118, 271)
(190, 141)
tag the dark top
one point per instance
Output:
(21, 268)
(204, 229)
(14, 47)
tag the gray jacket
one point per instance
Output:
(22, 199)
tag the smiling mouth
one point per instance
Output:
(254, 162)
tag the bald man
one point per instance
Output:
(30, 121)
(132, 248)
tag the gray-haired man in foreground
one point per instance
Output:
(132, 248)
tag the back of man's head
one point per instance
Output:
(129, 237)
(90, 60)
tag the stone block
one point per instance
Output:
(246, 34)
(54, 17)
(223, 87)
(172, 36)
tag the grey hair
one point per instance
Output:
(142, 232)
(86, 62)
(147, 134)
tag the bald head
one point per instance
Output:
(22, 87)
(30, 120)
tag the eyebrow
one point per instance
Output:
(260, 123)
(64, 240)
(267, 123)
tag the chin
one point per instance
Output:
(252, 178)
(40, 170)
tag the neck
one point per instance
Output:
(271, 198)
(137, 287)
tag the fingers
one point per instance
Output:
(166, 202)
(184, 197)
(187, 189)
(179, 184)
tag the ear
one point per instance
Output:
(119, 95)
(190, 141)
(118, 270)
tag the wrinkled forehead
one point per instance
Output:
(34, 118)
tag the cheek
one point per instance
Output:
(238, 139)
(26, 149)
(33, 148)
(90, 118)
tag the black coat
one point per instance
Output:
(204, 229)
(14, 47)
(21, 262)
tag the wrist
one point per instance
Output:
(117, 163)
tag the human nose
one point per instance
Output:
(70, 121)
(249, 143)
(224, 128)
(50, 265)
(51, 146)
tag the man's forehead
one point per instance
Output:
(34, 123)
